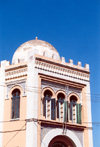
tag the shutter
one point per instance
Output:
(79, 113)
(68, 111)
(65, 111)
(53, 109)
(44, 107)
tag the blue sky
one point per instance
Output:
(72, 27)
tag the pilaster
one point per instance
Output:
(88, 98)
(32, 105)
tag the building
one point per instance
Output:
(44, 101)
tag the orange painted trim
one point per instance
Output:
(85, 117)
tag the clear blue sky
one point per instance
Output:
(71, 26)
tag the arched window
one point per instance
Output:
(15, 104)
(75, 110)
(49, 105)
(61, 107)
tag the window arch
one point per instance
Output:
(15, 113)
(48, 93)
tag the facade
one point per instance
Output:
(44, 101)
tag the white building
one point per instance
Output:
(44, 101)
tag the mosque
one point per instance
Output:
(44, 101)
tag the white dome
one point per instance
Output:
(29, 48)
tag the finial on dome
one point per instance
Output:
(36, 38)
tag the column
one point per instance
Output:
(32, 104)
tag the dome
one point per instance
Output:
(27, 50)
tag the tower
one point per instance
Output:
(45, 102)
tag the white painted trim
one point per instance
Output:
(55, 132)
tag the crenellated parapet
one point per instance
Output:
(61, 68)
(78, 66)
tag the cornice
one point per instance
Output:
(65, 64)
(61, 69)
